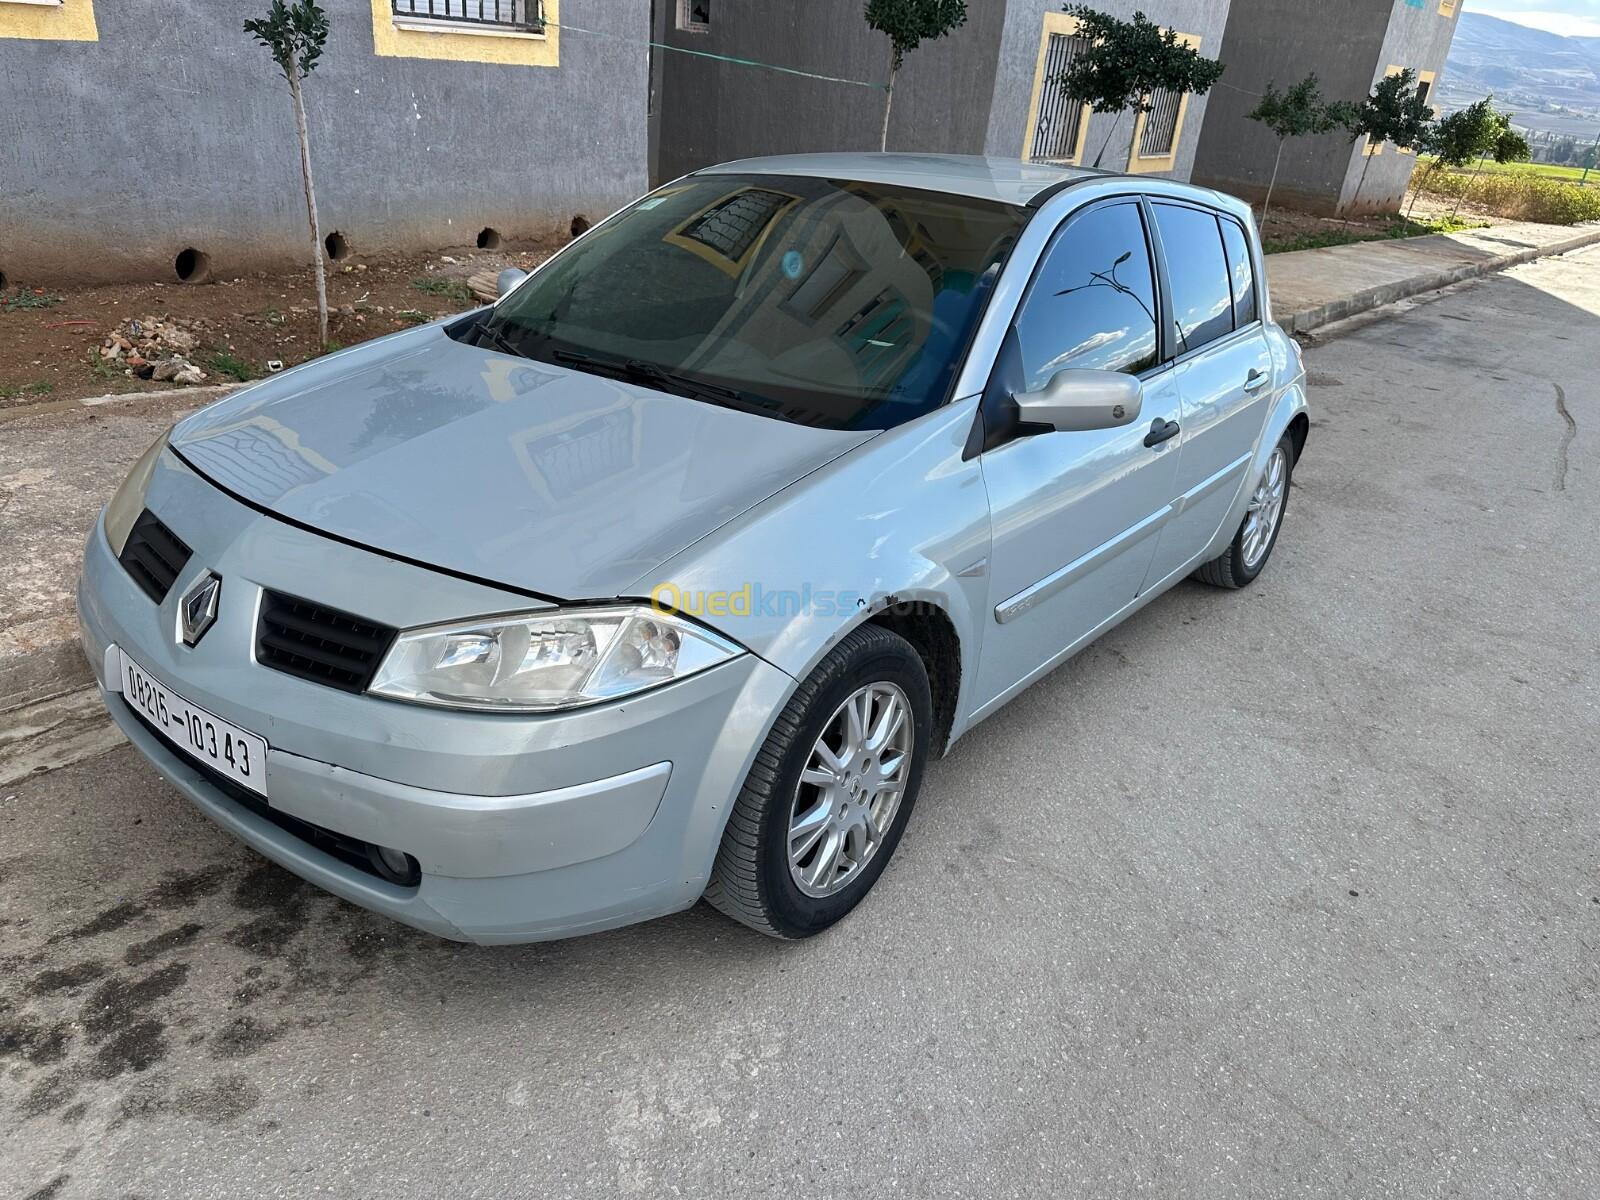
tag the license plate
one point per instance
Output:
(225, 748)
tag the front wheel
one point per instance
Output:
(1252, 545)
(830, 791)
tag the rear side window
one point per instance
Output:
(1202, 300)
(1093, 301)
(1241, 272)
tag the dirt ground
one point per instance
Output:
(52, 351)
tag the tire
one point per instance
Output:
(1237, 566)
(752, 880)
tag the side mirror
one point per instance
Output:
(1075, 401)
(508, 279)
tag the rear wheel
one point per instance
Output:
(1252, 545)
(830, 791)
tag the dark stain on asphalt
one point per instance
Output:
(38, 1042)
(137, 1048)
(219, 1100)
(243, 1036)
(49, 1190)
(111, 919)
(64, 979)
(117, 1004)
(49, 1093)
(163, 943)
(180, 889)
(281, 899)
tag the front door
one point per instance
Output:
(1075, 515)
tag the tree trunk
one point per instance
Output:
(1360, 183)
(1266, 205)
(1416, 188)
(311, 199)
(888, 103)
(1107, 142)
(1483, 158)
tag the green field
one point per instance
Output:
(1543, 170)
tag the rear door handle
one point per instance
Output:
(1160, 431)
(1256, 380)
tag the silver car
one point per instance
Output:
(664, 576)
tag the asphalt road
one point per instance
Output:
(1286, 892)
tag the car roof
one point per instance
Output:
(1007, 180)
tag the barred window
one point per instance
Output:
(524, 15)
(1055, 135)
(1160, 125)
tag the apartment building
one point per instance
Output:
(137, 131)
(985, 89)
(1350, 45)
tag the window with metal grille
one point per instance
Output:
(1055, 134)
(526, 16)
(1160, 125)
(694, 15)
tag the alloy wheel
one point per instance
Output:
(1266, 507)
(850, 789)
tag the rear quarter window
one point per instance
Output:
(1241, 272)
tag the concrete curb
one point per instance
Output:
(201, 396)
(1429, 281)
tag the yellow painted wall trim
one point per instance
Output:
(452, 45)
(72, 21)
(1447, 8)
(1139, 164)
(1054, 23)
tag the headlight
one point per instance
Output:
(128, 502)
(541, 661)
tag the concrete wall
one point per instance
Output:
(711, 111)
(1347, 43)
(1019, 52)
(175, 130)
(1418, 38)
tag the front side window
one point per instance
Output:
(835, 303)
(1202, 300)
(1242, 272)
(1092, 303)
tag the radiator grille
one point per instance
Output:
(154, 556)
(324, 645)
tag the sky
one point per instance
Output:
(1571, 18)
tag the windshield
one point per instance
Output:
(825, 302)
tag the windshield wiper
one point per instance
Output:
(499, 340)
(636, 370)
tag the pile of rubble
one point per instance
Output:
(154, 349)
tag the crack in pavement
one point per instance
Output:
(1566, 440)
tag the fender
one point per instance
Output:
(900, 518)
(1289, 404)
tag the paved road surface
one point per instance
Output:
(1288, 892)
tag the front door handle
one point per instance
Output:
(1256, 380)
(1160, 431)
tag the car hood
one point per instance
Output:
(529, 475)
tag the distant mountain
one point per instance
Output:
(1548, 81)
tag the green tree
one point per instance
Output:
(1456, 140)
(909, 23)
(1127, 62)
(1298, 112)
(295, 33)
(1395, 112)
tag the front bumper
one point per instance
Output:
(525, 827)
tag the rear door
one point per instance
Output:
(1075, 515)
(1224, 371)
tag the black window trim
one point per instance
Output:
(1255, 272)
(1176, 354)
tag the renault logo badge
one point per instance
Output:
(198, 609)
